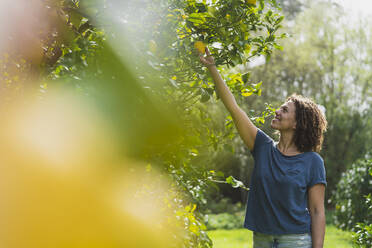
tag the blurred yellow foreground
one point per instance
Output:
(64, 184)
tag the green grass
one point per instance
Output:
(242, 238)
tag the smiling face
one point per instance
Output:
(285, 117)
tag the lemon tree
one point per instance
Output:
(139, 64)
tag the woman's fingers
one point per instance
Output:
(207, 51)
(208, 59)
(201, 57)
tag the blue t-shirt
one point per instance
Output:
(278, 196)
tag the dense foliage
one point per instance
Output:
(363, 230)
(137, 62)
(350, 196)
(363, 236)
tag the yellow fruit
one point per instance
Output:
(252, 2)
(200, 46)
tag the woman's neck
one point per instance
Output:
(286, 144)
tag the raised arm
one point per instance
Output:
(246, 129)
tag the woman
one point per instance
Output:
(286, 200)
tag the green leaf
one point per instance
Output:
(279, 20)
(277, 46)
(196, 18)
(205, 96)
(246, 76)
(75, 19)
(246, 92)
(233, 182)
(258, 85)
(173, 82)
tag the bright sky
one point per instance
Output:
(357, 7)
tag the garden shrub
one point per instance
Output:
(224, 205)
(350, 194)
(363, 235)
(225, 221)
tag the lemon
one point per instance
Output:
(200, 46)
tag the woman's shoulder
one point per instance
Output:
(316, 156)
(315, 159)
(264, 136)
(262, 143)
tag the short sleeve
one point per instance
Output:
(261, 140)
(317, 172)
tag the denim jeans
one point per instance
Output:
(261, 240)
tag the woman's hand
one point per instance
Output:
(208, 60)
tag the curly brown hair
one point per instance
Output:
(311, 124)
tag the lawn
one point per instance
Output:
(242, 238)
